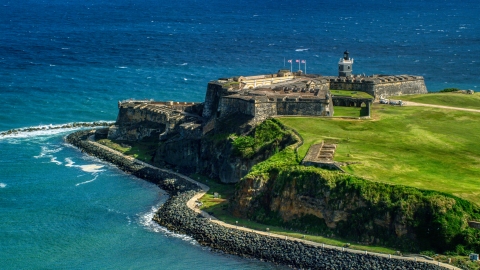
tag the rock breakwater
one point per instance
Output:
(178, 217)
(51, 127)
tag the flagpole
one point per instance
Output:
(305, 66)
(291, 64)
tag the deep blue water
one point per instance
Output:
(65, 61)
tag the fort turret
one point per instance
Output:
(345, 65)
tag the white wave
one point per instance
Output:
(146, 220)
(185, 79)
(69, 162)
(301, 50)
(122, 67)
(54, 160)
(45, 130)
(46, 152)
(37, 133)
(91, 168)
(3, 185)
(86, 182)
(183, 64)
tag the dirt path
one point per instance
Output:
(411, 103)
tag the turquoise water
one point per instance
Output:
(63, 209)
(72, 61)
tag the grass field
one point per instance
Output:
(446, 99)
(340, 111)
(143, 151)
(349, 93)
(427, 148)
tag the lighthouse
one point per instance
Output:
(345, 65)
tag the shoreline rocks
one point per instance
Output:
(176, 216)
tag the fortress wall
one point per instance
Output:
(265, 109)
(212, 99)
(398, 88)
(134, 115)
(354, 86)
(136, 121)
(230, 105)
(323, 86)
(301, 107)
(386, 89)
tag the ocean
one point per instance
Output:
(72, 61)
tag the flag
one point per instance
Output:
(303, 61)
(297, 61)
(289, 61)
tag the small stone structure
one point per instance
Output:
(474, 224)
(321, 155)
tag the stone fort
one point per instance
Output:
(284, 93)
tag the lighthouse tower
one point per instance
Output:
(345, 65)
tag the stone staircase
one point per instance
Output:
(321, 155)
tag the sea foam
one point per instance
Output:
(3, 185)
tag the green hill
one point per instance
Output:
(422, 147)
(447, 99)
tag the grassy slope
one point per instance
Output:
(421, 147)
(447, 99)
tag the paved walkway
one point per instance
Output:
(410, 103)
(192, 205)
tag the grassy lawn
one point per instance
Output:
(427, 148)
(350, 93)
(349, 111)
(446, 99)
(143, 151)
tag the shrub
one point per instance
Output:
(446, 90)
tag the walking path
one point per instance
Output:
(410, 103)
(192, 205)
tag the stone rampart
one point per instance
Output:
(229, 105)
(380, 85)
(263, 107)
(138, 120)
(303, 106)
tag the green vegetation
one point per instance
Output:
(341, 111)
(437, 220)
(446, 90)
(143, 151)
(231, 84)
(268, 135)
(427, 148)
(350, 93)
(447, 99)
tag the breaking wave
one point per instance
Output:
(48, 130)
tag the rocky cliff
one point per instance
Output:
(331, 203)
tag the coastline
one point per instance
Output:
(177, 216)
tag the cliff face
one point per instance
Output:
(213, 154)
(327, 203)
